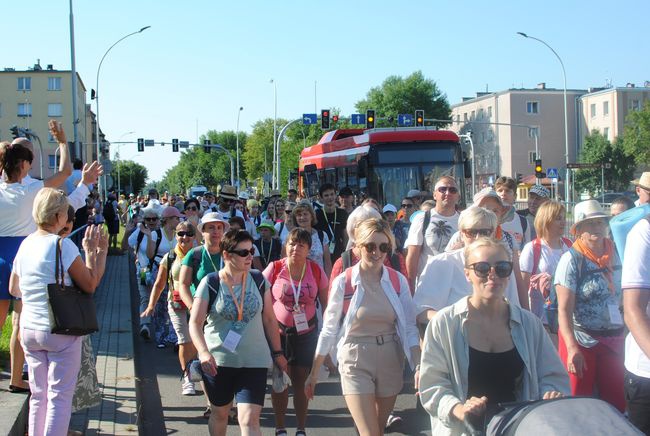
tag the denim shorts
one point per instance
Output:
(246, 385)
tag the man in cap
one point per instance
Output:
(537, 195)
(268, 245)
(400, 231)
(642, 188)
(346, 199)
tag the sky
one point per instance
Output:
(202, 60)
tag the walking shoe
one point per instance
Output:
(300, 432)
(188, 387)
(392, 420)
(145, 333)
(207, 412)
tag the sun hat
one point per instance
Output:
(389, 208)
(587, 210)
(243, 195)
(250, 203)
(486, 193)
(413, 193)
(170, 211)
(275, 193)
(213, 217)
(540, 190)
(643, 181)
(267, 225)
(228, 192)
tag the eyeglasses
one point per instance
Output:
(243, 252)
(287, 211)
(151, 218)
(371, 247)
(475, 233)
(182, 234)
(192, 208)
(502, 269)
(445, 189)
(406, 206)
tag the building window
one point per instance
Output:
(533, 132)
(635, 105)
(51, 162)
(54, 110)
(53, 83)
(532, 107)
(592, 109)
(473, 116)
(24, 109)
(24, 84)
(480, 114)
(465, 116)
(489, 112)
(605, 108)
(490, 135)
(606, 133)
(532, 156)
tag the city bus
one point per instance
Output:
(383, 163)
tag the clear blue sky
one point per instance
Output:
(202, 60)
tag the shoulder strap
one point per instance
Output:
(349, 291)
(320, 235)
(281, 228)
(277, 267)
(315, 272)
(537, 254)
(140, 239)
(346, 257)
(171, 257)
(425, 223)
(394, 262)
(197, 253)
(58, 266)
(158, 241)
(524, 224)
(214, 282)
(568, 242)
(394, 279)
(258, 278)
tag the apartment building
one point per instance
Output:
(606, 109)
(511, 128)
(29, 98)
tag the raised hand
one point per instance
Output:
(91, 172)
(90, 240)
(56, 129)
(102, 239)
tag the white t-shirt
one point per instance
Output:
(437, 235)
(548, 260)
(34, 265)
(282, 234)
(166, 245)
(443, 283)
(516, 230)
(316, 252)
(636, 275)
(142, 258)
(16, 203)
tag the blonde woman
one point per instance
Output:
(377, 332)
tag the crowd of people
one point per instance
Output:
(480, 306)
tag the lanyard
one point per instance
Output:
(296, 292)
(240, 306)
(328, 222)
(265, 257)
(212, 262)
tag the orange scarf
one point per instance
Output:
(499, 233)
(604, 261)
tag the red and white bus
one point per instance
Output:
(383, 163)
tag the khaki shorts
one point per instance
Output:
(368, 366)
(180, 323)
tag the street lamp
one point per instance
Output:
(99, 68)
(241, 108)
(566, 120)
(275, 129)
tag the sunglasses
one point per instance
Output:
(151, 219)
(475, 233)
(182, 234)
(287, 211)
(192, 208)
(243, 252)
(502, 269)
(450, 189)
(371, 247)
(406, 206)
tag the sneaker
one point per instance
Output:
(188, 387)
(145, 333)
(392, 420)
(161, 345)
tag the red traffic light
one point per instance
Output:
(335, 118)
(325, 113)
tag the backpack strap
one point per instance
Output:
(277, 267)
(197, 254)
(425, 223)
(537, 254)
(321, 236)
(171, 257)
(394, 262)
(281, 228)
(158, 241)
(214, 283)
(524, 224)
(346, 257)
(568, 242)
(350, 290)
(583, 272)
(315, 271)
(140, 239)
(394, 279)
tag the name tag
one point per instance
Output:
(614, 314)
(231, 341)
(332, 245)
(300, 321)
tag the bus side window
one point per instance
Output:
(340, 178)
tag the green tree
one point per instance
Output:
(132, 176)
(398, 95)
(636, 135)
(597, 149)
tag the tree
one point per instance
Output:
(597, 149)
(636, 135)
(398, 95)
(132, 176)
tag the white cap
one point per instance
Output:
(389, 208)
(413, 193)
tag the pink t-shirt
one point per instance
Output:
(282, 292)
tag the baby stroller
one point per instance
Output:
(559, 416)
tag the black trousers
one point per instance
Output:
(637, 395)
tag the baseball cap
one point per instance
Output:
(389, 208)
(540, 190)
(413, 193)
(486, 193)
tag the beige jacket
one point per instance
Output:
(445, 363)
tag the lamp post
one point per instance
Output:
(566, 117)
(99, 68)
(241, 108)
(275, 170)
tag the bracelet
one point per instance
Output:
(277, 353)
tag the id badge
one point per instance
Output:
(300, 321)
(332, 247)
(231, 341)
(614, 314)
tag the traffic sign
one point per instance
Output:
(149, 142)
(107, 165)
(405, 120)
(308, 119)
(358, 118)
(583, 165)
(184, 144)
(552, 173)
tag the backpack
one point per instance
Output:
(109, 211)
(315, 270)
(350, 290)
(214, 284)
(197, 254)
(524, 224)
(177, 302)
(158, 241)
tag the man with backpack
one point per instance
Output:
(536, 196)
(332, 220)
(514, 224)
(112, 219)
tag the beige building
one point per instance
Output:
(505, 126)
(605, 109)
(29, 98)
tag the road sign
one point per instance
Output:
(184, 144)
(107, 165)
(405, 120)
(552, 173)
(308, 119)
(358, 118)
(149, 142)
(583, 165)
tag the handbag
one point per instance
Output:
(73, 310)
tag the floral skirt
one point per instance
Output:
(86, 393)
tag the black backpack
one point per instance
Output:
(158, 241)
(109, 211)
(214, 284)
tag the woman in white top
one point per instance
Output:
(303, 216)
(53, 359)
(377, 331)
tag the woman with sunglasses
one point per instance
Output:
(192, 211)
(373, 336)
(303, 216)
(169, 275)
(296, 284)
(484, 350)
(284, 227)
(233, 348)
(443, 281)
(279, 210)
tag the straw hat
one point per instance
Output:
(643, 181)
(587, 210)
(213, 217)
(228, 192)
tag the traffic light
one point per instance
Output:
(539, 170)
(518, 178)
(14, 131)
(419, 118)
(325, 119)
(140, 145)
(175, 145)
(335, 119)
(206, 145)
(370, 119)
